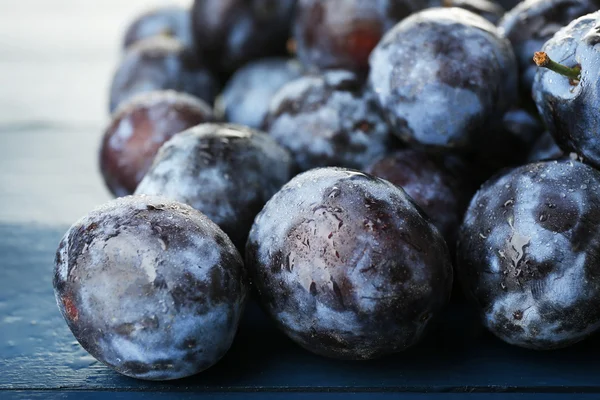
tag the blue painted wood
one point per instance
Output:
(87, 395)
(38, 351)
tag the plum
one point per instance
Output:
(532, 23)
(150, 287)
(489, 10)
(347, 265)
(246, 97)
(528, 254)
(161, 63)
(438, 190)
(230, 33)
(226, 171)
(138, 129)
(567, 90)
(340, 34)
(442, 76)
(169, 20)
(328, 120)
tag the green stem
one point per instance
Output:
(543, 60)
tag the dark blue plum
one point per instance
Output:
(228, 172)
(533, 22)
(347, 266)
(340, 34)
(170, 20)
(529, 254)
(161, 63)
(328, 120)
(442, 75)
(230, 33)
(246, 97)
(150, 287)
(137, 130)
(569, 107)
(442, 192)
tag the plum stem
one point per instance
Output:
(167, 32)
(543, 60)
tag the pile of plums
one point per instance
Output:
(325, 157)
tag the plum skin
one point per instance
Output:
(441, 75)
(161, 63)
(150, 287)
(532, 23)
(173, 20)
(347, 265)
(328, 120)
(326, 41)
(439, 191)
(246, 96)
(226, 171)
(488, 9)
(230, 33)
(139, 128)
(340, 34)
(570, 109)
(528, 254)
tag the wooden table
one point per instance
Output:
(56, 59)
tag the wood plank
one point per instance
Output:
(88, 395)
(40, 353)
